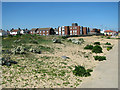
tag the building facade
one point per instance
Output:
(110, 33)
(42, 31)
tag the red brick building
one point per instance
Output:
(69, 30)
(74, 30)
(64, 30)
(42, 31)
(84, 31)
(95, 30)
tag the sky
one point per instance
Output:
(103, 15)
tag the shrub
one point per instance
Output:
(69, 40)
(108, 37)
(109, 48)
(81, 71)
(88, 47)
(34, 41)
(97, 49)
(81, 39)
(97, 43)
(100, 58)
(64, 37)
(107, 43)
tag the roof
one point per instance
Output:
(15, 30)
(33, 29)
(44, 29)
(109, 31)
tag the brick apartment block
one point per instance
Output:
(70, 30)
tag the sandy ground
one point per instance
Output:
(105, 75)
(76, 53)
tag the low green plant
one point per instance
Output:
(81, 71)
(97, 43)
(81, 39)
(99, 58)
(88, 47)
(109, 48)
(97, 49)
(108, 38)
(107, 43)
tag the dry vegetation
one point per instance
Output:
(48, 69)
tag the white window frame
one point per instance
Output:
(75, 27)
(43, 31)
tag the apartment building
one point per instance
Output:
(70, 30)
(64, 30)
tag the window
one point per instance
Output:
(40, 31)
(43, 31)
(75, 31)
(37, 31)
(59, 33)
(47, 31)
(43, 34)
(70, 33)
(63, 28)
(63, 33)
(75, 27)
(70, 27)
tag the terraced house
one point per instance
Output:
(42, 31)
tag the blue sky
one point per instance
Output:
(53, 14)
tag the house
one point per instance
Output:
(45, 31)
(95, 31)
(3, 33)
(33, 31)
(14, 32)
(42, 31)
(102, 31)
(110, 33)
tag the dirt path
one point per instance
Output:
(105, 75)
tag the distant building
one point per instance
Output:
(56, 31)
(14, 32)
(3, 33)
(110, 33)
(95, 31)
(102, 31)
(71, 30)
(84, 31)
(42, 31)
